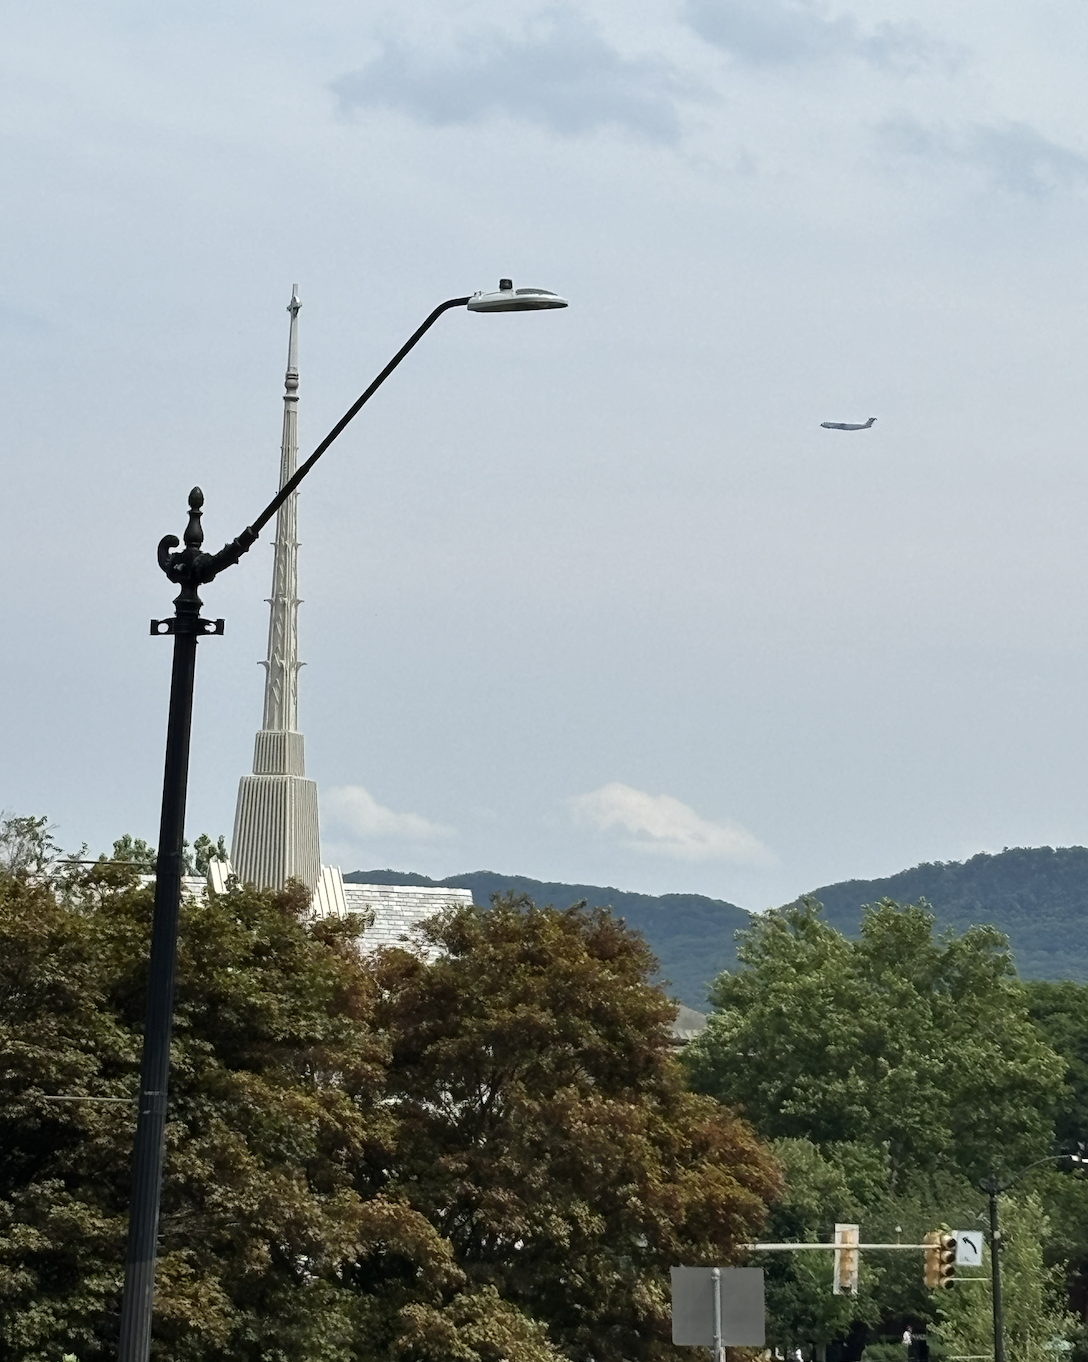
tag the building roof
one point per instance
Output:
(397, 908)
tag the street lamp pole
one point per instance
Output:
(192, 568)
(993, 1188)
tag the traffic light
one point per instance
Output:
(947, 1260)
(931, 1259)
(846, 1260)
(939, 1259)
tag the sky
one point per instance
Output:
(590, 595)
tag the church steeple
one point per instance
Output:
(276, 832)
(282, 664)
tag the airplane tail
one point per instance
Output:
(870, 421)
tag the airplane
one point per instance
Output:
(845, 425)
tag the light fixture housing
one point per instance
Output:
(510, 299)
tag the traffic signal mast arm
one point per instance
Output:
(939, 1249)
(790, 1248)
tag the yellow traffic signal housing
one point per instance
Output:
(847, 1238)
(947, 1260)
(931, 1259)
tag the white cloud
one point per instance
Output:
(356, 811)
(664, 826)
(561, 73)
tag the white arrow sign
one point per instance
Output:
(968, 1248)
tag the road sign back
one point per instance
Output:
(743, 1309)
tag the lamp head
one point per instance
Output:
(511, 299)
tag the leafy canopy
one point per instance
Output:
(547, 1126)
(488, 1156)
(920, 1046)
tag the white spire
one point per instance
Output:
(276, 832)
(282, 664)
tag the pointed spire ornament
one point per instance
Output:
(276, 830)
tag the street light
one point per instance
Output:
(192, 568)
(993, 1187)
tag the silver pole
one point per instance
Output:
(716, 1278)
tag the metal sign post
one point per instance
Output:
(716, 1279)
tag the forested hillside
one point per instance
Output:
(1037, 896)
(691, 936)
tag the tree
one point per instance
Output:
(842, 1182)
(921, 1046)
(544, 1128)
(134, 850)
(198, 858)
(1060, 1011)
(1037, 1325)
(489, 1157)
(273, 1098)
(26, 844)
(205, 851)
(890, 1073)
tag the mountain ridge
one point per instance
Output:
(1037, 896)
(691, 934)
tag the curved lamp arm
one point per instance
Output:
(992, 1186)
(196, 568)
(353, 411)
(203, 567)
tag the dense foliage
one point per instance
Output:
(489, 1156)
(921, 1047)
(566, 1162)
(890, 1072)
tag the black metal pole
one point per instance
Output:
(356, 407)
(186, 626)
(992, 1188)
(155, 1070)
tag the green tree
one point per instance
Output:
(205, 851)
(545, 1129)
(889, 1072)
(26, 845)
(272, 1100)
(1037, 1324)
(822, 1186)
(488, 1157)
(1060, 1011)
(134, 850)
(919, 1046)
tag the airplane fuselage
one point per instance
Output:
(846, 425)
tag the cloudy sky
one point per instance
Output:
(589, 594)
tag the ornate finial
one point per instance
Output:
(292, 344)
(194, 531)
